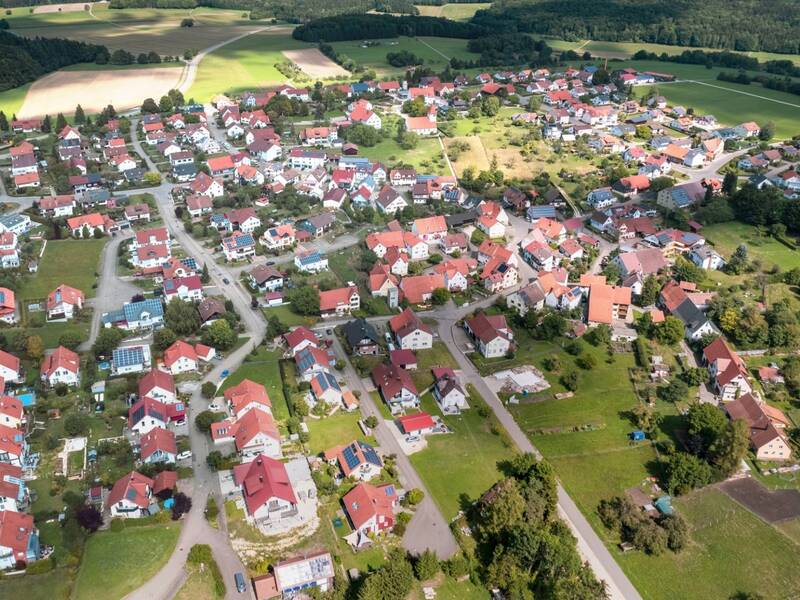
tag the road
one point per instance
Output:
(428, 528)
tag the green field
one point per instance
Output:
(247, 64)
(119, 562)
(469, 457)
(336, 429)
(289, 318)
(55, 584)
(11, 100)
(263, 368)
(731, 551)
(731, 103)
(73, 262)
(727, 236)
(436, 52)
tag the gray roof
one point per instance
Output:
(359, 329)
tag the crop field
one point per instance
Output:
(457, 12)
(246, 64)
(315, 64)
(135, 30)
(436, 52)
(63, 90)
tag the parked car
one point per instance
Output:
(240, 584)
(185, 455)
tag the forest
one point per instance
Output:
(743, 25)
(23, 60)
(358, 27)
(294, 11)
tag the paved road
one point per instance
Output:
(428, 528)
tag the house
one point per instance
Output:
(416, 424)
(85, 226)
(727, 370)
(8, 306)
(491, 334)
(358, 460)
(325, 388)
(130, 359)
(144, 314)
(244, 220)
(608, 303)
(403, 177)
(682, 195)
(188, 289)
(299, 338)
(382, 282)
(389, 201)
(421, 126)
(410, 332)
(706, 258)
(179, 358)
(159, 386)
(430, 229)
(131, 497)
(221, 166)
(418, 289)
(601, 198)
(148, 414)
(13, 491)
(339, 302)
(57, 206)
(205, 185)
(62, 367)
(405, 359)
(256, 433)
(210, 310)
(266, 278)
(767, 426)
(362, 338)
(454, 242)
(311, 360)
(13, 446)
(12, 414)
(19, 540)
(158, 446)
(266, 488)
(396, 387)
(238, 246)
(366, 117)
(645, 261)
(9, 368)
(305, 572)
(199, 205)
(370, 509)
(245, 396)
(448, 391)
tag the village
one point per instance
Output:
(292, 331)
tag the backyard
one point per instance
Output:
(726, 237)
(263, 368)
(73, 262)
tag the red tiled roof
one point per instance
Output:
(263, 479)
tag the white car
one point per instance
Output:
(214, 406)
(185, 455)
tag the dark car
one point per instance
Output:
(240, 584)
(226, 281)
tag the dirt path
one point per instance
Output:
(439, 52)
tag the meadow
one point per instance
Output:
(727, 236)
(262, 368)
(436, 52)
(74, 262)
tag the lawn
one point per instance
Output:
(436, 52)
(437, 356)
(52, 332)
(288, 317)
(74, 262)
(426, 156)
(468, 456)
(727, 236)
(11, 100)
(731, 551)
(264, 369)
(246, 64)
(338, 428)
(118, 562)
(199, 585)
(55, 584)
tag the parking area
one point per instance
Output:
(772, 506)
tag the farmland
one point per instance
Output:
(436, 52)
(457, 12)
(135, 30)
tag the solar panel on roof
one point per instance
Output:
(350, 458)
(131, 495)
(126, 357)
(389, 490)
(370, 455)
(189, 263)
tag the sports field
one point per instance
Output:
(435, 51)
(136, 30)
(243, 65)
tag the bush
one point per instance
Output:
(212, 510)
(209, 389)
(76, 424)
(41, 566)
(413, 497)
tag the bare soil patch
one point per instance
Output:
(772, 506)
(315, 64)
(93, 90)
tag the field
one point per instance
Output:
(246, 64)
(727, 236)
(199, 585)
(11, 100)
(118, 562)
(55, 584)
(731, 103)
(436, 52)
(263, 368)
(425, 157)
(338, 428)
(93, 90)
(469, 456)
(315, 64)
(136, 30)
(73, 262)
(457, 12)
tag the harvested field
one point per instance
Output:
(93, 90)
(475, 156)
(50, 8)
(315, 64)
(772, 506)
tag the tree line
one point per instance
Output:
(744, 25)
(781, 84)
(23, 60)
(371, 26)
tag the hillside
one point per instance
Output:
(745, 25)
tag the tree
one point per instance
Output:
(219, 335)
(3, 122)
(599, 336)
(677, 531)
(61, 121)
(570, 380)
(414, 496)
(47, 124)
(552, 326)
(209, 389)
(165, 104)
(164, 338)
(669, 331)
(675, 391)
(612, 273)
(728, 450)
(650, 289)
(205, 419)
(34, 347)
(187, 22)
(686, 270)
(153, 58)
(729, 183)
(490, 106)
(586, 361)
(275, 327)
(440, 296)
(76, 424)
(371, 421)
(89, 518)
(70, 339)
(426, 565)
(694, 375)
(182, 317)
(408, 140)
(767, 131)
(304, 300)
(505, 510)
(685, 472)
(149, 106)
(181, 505)
(705, 424)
